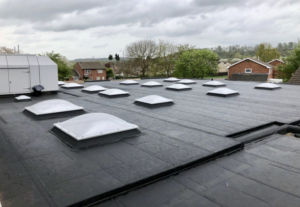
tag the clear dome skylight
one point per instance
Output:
(151, 84)
(129, 82)
(94, 125)
(72, 85)
(153, 100)
(23, 98)
(94, 88)
(171, 79)
(186, 81)
(113, 92)
(214, 84)
(52, 106)
(268, 86)
(179, 87)
(60, 83)
(224, 92)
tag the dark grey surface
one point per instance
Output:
(252, 177)
(38, 168)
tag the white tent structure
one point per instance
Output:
(19, 73)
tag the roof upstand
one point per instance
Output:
(187, 81)
(153, 101)
(93, 89)
(93, 129)
(54, 108)
(267, 86)
(152, 84)
(114, 93)
(179, 87)
(129, 82)
(72, 86)
(171, 80)
(214, 84)
(22, 98)
(223, 92)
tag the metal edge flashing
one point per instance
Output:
(182, 89)
(114, 96)
(214, 86)
(154, 178)
(91, 92)
(95, 141)
(129, 84)
(72, 87)
(269, 89)
(222, 95)
(54, 115)
(152, 86)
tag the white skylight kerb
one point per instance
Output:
(186, 81)
(113, 92)
(61, 83)
(72, 85)
(94, 88)
(129, 82)
(22, 98)
(214, 83)
(223, 92)
(152, 83)
(171, 79)
(267, 86)
(179, 87)
(52, 106)
(94, 125)
(153, 99)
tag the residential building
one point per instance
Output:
(275, 63)
(91, 70)
(223, 67)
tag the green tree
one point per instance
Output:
(292, 63)
(196, 63)
(109, 73)
(117, 57)
(266, 52)
(64, 70)
(110, 57)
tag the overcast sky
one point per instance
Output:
(87, 28)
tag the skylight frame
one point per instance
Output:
(89, 90)
(141, 102)
(155, 84)
(229, 94)
(129, 82)
(72, 87)
(22, 98)
(105, 93)
(214, 84)
(183, 87)
(186, 81)
(171, 79)
(264, 86)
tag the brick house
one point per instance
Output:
(250, 68)
(90, 70)
(295, 79)
(275, 63)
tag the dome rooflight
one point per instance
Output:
(60, 83)
(171, 79)
(151, 84)
(154, 101)
(187, 81)
(52, 109)
(129, 82)
(223, 92)
(179, 87)
(267, 86)
(22, 98)
(93, 129)
(93, 89)
(72, 86)
(114, 93)
(214, 84)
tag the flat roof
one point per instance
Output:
(37, 166)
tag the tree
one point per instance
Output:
(109, 73)
(64, 70)
(6, 50)
(266, 53)
(142, 52)
(110, 57)
(117, 57)
(292, 63)
(196, 63)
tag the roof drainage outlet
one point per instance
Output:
(72, 86)
(52, 109)
(267, 86)
(171, 80)
(114, 93)
(223, 92)
(93, 129)
(129, 82)
(153, 101)
(93, 89)
(179, 87)
(187, 81)
(151, 84)
(214, 84)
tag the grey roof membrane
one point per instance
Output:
(37, 169)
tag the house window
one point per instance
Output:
(87, 71)
(248, 70)
(90, 78)
(98, 78)
(100, 71)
